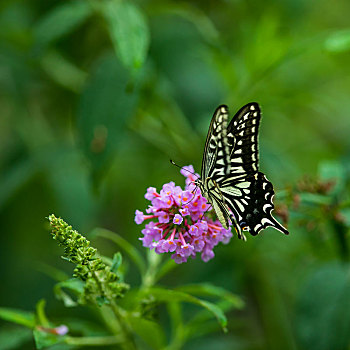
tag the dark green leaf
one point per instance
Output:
(61, 20)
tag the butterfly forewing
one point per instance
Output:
(216, 157)
(242, 135)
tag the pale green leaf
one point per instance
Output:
(21, 317)
(338, 41)
(129, 32)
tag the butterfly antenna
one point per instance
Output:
(182, 168)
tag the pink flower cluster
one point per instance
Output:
(181, 221)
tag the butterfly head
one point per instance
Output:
(199, 183)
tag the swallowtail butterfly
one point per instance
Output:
(230, 177)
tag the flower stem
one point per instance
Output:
(128, 339)
(94, 341)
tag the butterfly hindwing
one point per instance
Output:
(251, 202)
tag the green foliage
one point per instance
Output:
(128, 30)
(323, 309)
(98, 284)
(338, 41)
(61, 21)
(21, 317)
(14, 338)
(44, 340)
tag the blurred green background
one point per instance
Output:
(97, 96)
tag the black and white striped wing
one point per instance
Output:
(246, 191)
(251, 202)
(216, 157)
(242, 138)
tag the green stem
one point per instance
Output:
(149, 277)
(109, 318)
(129, 342)
(94, 341)
(126, 334)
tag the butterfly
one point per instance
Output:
(230, 178)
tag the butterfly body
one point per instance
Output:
(230, 178)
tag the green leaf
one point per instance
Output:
(323, 309)
(14, 338)
(21, 317)
(41, 315)
(149, 331)
(333, 171)
(315, 198)
(62, 20)
(210, 290)
(133, 253)
(44, 339)
(345, 213)
(105, 106)
(117, 261)
(129, 32)
(62, 71)
(197, 322)
(338, 41)
(75, 285)
(167, 295)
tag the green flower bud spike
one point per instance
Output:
(101, 285)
